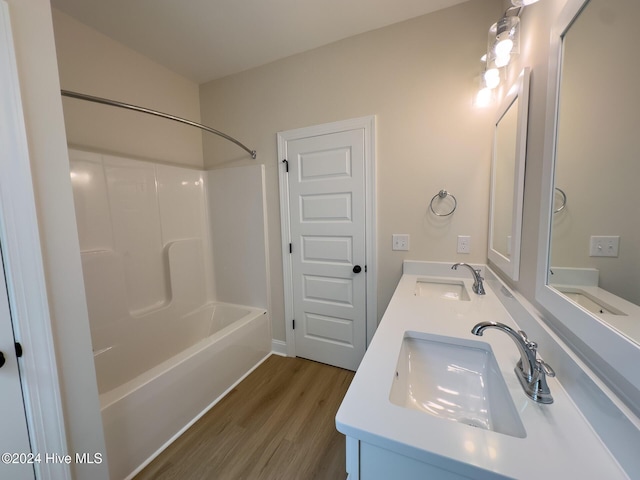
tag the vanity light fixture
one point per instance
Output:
(502, 44)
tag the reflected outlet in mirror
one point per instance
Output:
(454, 379)
(442, 289)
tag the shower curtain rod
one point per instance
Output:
(115, 103)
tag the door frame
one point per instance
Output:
(24, 272)
(368, 125)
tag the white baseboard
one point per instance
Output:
(278, 347)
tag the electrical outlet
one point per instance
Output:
(400, 241)
(604, 246)
(464, 244)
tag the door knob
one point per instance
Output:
(2, 360)
(357, 269)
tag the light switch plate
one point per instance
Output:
(604, 246)
(400, 241)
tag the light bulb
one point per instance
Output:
(492, 78)
(492, 73)
(492, 82)
(483, 98)
(502, 60)
(504, 38)
(522, 3)
(504, 47)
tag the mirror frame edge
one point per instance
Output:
(519, 90)
(612, 349)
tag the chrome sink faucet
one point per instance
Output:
(531, 371)
(478, 286)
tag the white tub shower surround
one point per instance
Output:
(166, 345)
(144, 415)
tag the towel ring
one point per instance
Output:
(564, 200)
(442, 194)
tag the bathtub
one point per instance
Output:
(143, 412)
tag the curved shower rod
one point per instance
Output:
(115, 103)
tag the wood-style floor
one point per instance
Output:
(278, 423)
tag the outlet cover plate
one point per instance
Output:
(464, 244)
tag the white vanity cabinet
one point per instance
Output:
(370, 462)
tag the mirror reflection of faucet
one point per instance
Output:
(478, 286)
(531, 371)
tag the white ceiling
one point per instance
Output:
(208, 39)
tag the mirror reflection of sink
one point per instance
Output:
(443, 289)
(454, 379)
(588, 301)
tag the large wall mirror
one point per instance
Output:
(507, 178)
(590, 278)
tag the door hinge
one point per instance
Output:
(286, 164)
(18, 350)
(294, 324)
(291, 248)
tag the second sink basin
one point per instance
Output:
(444, 289)
(454, 379)
(591, 303)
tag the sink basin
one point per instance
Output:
(444, 289)
(454, 379)
(588, 301)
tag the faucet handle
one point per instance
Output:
(531, 345)
(543, 366)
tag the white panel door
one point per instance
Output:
(14, 437)
(327, 222)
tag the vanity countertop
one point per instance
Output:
(627, 318)
(559, 442)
